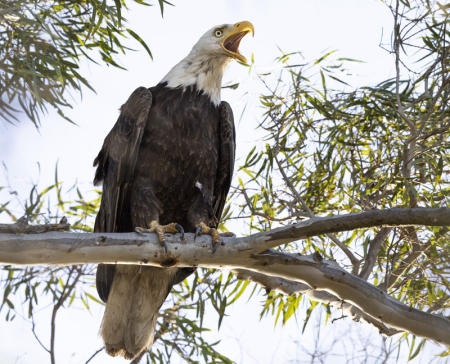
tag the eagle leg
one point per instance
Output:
(154, 227)
(202, 228)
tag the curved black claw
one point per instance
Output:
(214, 245)
(138, 230)
(164, 244)
(180, 230)
(197, 231)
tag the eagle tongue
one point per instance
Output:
(233, 41)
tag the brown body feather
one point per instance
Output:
(170, 158)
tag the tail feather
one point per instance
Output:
(136, 295)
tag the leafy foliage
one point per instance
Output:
(42, 44)
(332, 149)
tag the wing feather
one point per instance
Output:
(227, 150)
(116, 164)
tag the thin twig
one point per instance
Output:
(67, 290)
(33, 327)
(93, 355)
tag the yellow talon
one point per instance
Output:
(203, 229)
(160, 230)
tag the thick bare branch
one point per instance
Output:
(73, 248)
(244, 253)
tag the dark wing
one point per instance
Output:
(227, 150)
(116, 164)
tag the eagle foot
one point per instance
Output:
(160, 230)
(202, 229)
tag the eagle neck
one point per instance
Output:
(205, 71)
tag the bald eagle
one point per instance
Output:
(167, 162)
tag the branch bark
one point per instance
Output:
(245, 253)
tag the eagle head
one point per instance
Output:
(223, 41)
(203, 67)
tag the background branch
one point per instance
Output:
(291, 287)
(374, 248)
(22, 227)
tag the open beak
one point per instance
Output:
(231, 41)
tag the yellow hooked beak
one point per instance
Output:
(231, 41)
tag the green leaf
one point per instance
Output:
(238, 294)
(417, 351)
(161, 6)
(94, 299)
(140, 40)
(324, 57)
(119, 11)
(349, 60)
(308, 314)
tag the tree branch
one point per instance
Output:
(22, 227)
(350, 288)
(291, 287)
(245, 253)
(374, 248)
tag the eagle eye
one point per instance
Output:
(218, 33)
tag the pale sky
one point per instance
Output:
(353, 27)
